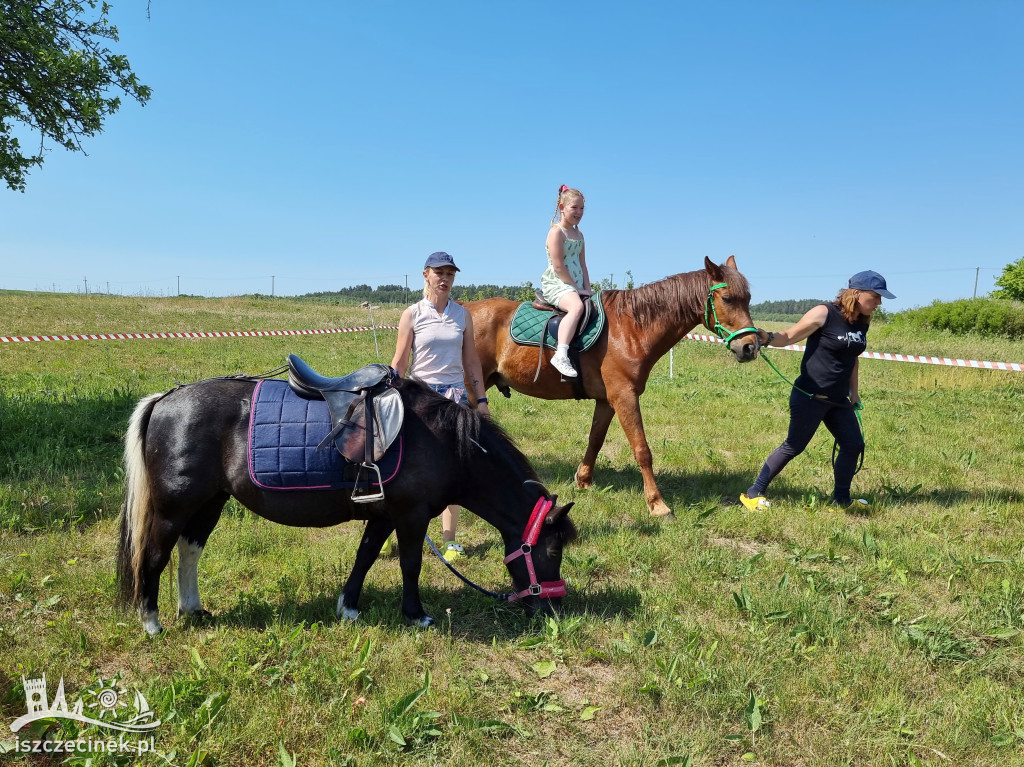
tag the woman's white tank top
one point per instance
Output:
(437, 343)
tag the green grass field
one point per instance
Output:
(796, 636)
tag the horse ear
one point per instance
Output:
(557, 512)
(713, 269)
(731, 262)
(528, 483)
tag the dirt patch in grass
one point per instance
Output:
(748, 548)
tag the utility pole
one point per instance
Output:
(374, 326)
(86, 281)
(179, 284)
(406, 288)
(272, 286)
(976, 270)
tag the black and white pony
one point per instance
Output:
(186, 454)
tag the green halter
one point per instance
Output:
(718, 328)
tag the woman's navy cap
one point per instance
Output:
(439, 259)
(870, 280)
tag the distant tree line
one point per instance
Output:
(524, 291)
(398, 295)
(793, 306)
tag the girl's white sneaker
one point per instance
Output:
(561, 363)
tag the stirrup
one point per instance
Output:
(369, 496)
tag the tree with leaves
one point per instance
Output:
(57, 78)
(1011, 282)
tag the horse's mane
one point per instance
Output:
(471, 430)
(478, 437)
(496, 437)
(673, 299)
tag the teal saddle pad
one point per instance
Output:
(528, 323)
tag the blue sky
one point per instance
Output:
(327, 144)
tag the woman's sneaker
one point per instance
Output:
(759, 503)
(857, 504)
(561, 363)
(388, 549)
(453, 551)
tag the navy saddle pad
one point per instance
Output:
(284, 430)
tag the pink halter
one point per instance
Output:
(530, 536)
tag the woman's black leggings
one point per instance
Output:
(805, 414)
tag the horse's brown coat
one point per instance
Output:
(642, 325)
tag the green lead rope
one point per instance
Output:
(857, 407)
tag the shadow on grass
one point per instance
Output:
(896, 498)
(683, 490)
(684, 487)
(60, 456)
(463, 612)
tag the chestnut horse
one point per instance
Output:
(642, 325)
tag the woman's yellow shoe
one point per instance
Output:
(760, 503)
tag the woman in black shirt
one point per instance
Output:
(827, 388)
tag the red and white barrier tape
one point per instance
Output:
(947, 361)
(224, 334)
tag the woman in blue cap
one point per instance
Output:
(439, 334)
(827, 387)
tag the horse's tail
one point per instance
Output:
(137, 508)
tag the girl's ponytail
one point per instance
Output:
(563, 191)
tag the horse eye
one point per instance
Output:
(727, 299)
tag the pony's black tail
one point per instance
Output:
(136, 511)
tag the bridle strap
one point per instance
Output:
(545, 589)
(718, 328)
(540, 512)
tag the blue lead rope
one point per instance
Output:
(463, 578)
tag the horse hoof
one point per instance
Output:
(662, 511)
(344, 612)
(421, 623)
(582, 484)
(151, 624)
